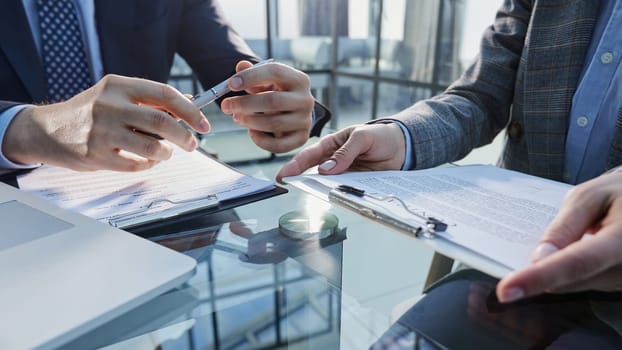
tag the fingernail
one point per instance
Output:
(204, 125)
(235, 82)
(225, 107)
(193, 144)
(327, 165)
(512, 294)
(236, 119)
(543, 250)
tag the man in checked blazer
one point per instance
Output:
(549, 76)
(138, 38)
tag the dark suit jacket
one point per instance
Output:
(138, 38)
(524, 80)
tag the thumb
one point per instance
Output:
(579, 211)
(344, 156)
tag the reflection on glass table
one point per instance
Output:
(248, 293)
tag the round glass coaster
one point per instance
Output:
(303, 226)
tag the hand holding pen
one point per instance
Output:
(221, 89)
(209, 96)
(113, 125)
(277, 110)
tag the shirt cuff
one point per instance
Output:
(5, 119)
(409, 148)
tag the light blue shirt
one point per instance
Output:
(86, 16)
(5, 119)
(598, 99)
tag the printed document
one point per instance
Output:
(187, 181)
(494, 212)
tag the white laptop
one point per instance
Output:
(63, 274)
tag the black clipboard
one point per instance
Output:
(220, 207)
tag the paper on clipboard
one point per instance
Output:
(187, 182)
(495, 216)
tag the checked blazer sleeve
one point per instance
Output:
(524, 79)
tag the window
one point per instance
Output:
(366, 58)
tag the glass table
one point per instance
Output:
(360, 287)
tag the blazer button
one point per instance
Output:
(515, 131)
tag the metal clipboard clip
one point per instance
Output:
(343, 194)
(142, 216)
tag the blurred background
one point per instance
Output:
(366, 58)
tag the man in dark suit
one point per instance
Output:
(549, 74)
(41, 61)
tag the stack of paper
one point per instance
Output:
(187, 182)
(495, 216)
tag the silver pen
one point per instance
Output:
(212, 94)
